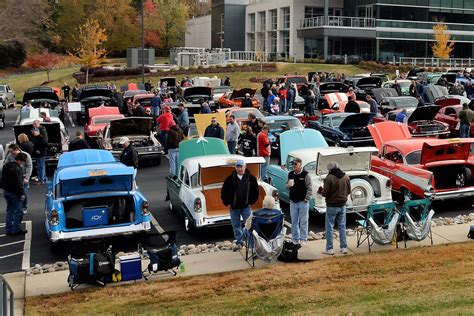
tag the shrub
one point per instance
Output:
(12, 54)
(200, 67)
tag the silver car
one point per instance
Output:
(7, 96)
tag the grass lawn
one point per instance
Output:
(238, 79)
(430, 280)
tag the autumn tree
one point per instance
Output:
(45, 61)
(443, 45)
(91, 52)
(172, 16)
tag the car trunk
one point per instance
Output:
(138, 142)
(53, 130)
(447, 177)
(216, 175)
(356, 125)
(97, 212)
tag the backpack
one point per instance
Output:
(289, 252)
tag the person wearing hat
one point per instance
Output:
(300, 187)
(165, 121)
(40, 147)
(239, 191)
(129, 155)
(246, 102)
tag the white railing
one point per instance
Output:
(337, 21)
(246, 56)
(437, 62)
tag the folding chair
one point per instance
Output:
(265, 236)
(378, 225)
(416, 220)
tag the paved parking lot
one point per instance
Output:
(15, 250)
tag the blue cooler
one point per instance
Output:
(95, 216)
(131, 267)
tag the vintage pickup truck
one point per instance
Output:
(93, 196)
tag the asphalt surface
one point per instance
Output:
(18, 253)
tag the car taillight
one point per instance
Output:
(276, 195)
(53, 217)
(389, 183)
(145, 210)
(197, 205)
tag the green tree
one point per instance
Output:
(172, 16)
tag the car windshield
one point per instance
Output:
(405, 103)
(337, 120)
(105, 120)
(276, 125)
(413, 158)
(2, 89)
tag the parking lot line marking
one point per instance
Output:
(11, 255)
(155, 223)
(25, 263)
(11, 243)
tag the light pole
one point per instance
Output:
(143, 41)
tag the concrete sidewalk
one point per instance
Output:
(217, 262)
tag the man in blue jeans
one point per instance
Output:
(337, 187)
(239, 191)
(299, 185)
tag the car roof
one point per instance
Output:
(279, 118)
(85, 157)
(407, 146)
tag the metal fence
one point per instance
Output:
(337, 21)
(437, 62)
(8, 298)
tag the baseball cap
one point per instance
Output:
(123, 140)
(240, 162)
(167, 108)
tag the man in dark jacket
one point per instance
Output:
(42, 129)
(78, 143)
(337, 187)
(129, 155)
(40, 147)
(239, 191)
(352, 106)
(175, 136)
(247, 102)
(214, 130)
(14, 193)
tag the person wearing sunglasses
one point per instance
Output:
(299, 185)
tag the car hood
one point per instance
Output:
(381, 93)
(40, 95)
(197, 91)
(103, 110)
(356, 120)
(241, 93)
(451, 100)
(299, 139)
(85, 94)
(130, 126)
(329, 87)
(369, 81)
(386, 131)
(452, 150)
(332, 98)
(349, 159)
(434, 92)
(52, 128)
(424, 113)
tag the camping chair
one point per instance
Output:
(416, 220)
(265, 236)
(378, 225)
(162, 251)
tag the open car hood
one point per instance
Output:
(331, 87)
(52, 128)
(434, 92)
(198, 147)
(103, 110)
(381, 93)
(211, 172)
(332, 98)
(241, 93)
(197, 91)
(387, 131)
(452, 150)
(350, 159)
(40, 94)
(369, 81)
(99, 92)
(424, 113)
(356, 120)
(170, 80)
(130, 126)
(295, 139)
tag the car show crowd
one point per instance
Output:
(340, 109)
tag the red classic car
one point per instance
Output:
(423, 167)
(234, 98)
(422, 121)
(450, 115)
(451, 100)
(99, 118)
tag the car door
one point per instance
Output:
(173, 183)
(386, 164)
(278, 176)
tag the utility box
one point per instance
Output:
(134, 57)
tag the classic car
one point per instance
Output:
(344, 129)
(299, 81)
(99, 118)
(423, 167)
(388, 104)
(275, 128)
(364, 86)
(330, 87)
(7, 96)
(241, 114)
(450, 115)
(143, 99)
(194, 97)
(404, 85)
(338, 101)
(218, 92)
(421, 121)
(41, 96)
(234, 99)
(94, 96)
(138, 130)
(431, 93)
(170, 83)
(451, 100)
(195, 194)
(58, 138)
(367, 187)
(93, 196)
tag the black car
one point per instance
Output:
(365, 85)
(94, 96)
(330, 87)
(344, 129)
(41, 96)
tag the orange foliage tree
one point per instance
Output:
(45, 61)
(443, 45)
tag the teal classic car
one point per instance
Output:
(195, 194)
(367, 187)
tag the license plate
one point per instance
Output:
(97, 173)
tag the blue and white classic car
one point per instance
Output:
(195, 194)
(91, 196)
(367, 187)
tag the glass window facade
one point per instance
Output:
(273, 20)
(286, 17)
(252, 22)
(286, 42)
(263, 21)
